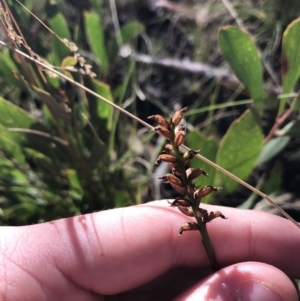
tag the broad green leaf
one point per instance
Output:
(8, 69)
(95, 36)
(271, 149)
(74, 182)
(209, 147)
(10, 148)
(128, 33)
(239, 149)
(291, 56)
(240, 52)
(59, 25)
(13, 117)
(102, 109)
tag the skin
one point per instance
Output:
(135, 253)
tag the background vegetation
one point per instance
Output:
(65, 152)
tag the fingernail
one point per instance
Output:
(253, 291)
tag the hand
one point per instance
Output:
(135, 253)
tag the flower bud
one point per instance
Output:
(160, 120)
(179, 137)
(200, 193)
(178, 116)
(163, 131)
(181, 202)
(192, 173)
(187, 156)
(188, 227)
(166, 158)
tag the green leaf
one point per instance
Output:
(292, 129)
(239, 149)
(102, 109)
(290, 69)
(13, 117)
(271, 149)
(209, 147)
(128, 32)
(8, 69)
(74, 182)
(95, 35)
(10, 148)
(59, 25)
(68, 63)
(240, 52)
(57, 109)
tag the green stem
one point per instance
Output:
(207, 242)
(202, 226)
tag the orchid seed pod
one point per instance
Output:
(172, 165)
(179, 188)
(168, 149)
(163, 131)
(172, 179)
(166, 158)
(160, 120)
(192, 173)
(178, 116)
(179, 137)
(200, 193)
(188, 227)
(187, 156)
(181, 202)
(186, 210)
(212, 215)
(181, 127)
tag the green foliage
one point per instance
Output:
(243, 57)
(290, 56)
(239, 149)
(63, 152)
(65, 162)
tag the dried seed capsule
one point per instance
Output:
(160, 120)
(172, 165)
(180, 189)
(192, 173)
(172, 179)
(166, 158)
(163, 131)
(189, 155)
(188, 227)
(201, 213)
(186, 210)
(167, 149)
(179, 137)
(181, 202)
(212, 215)
(200, 193)
(178, 116)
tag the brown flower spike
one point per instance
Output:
(181, 179)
